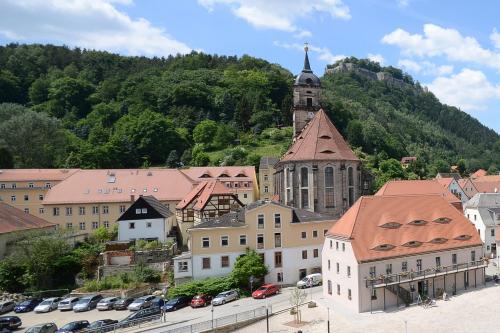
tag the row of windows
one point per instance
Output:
(30, 185)
(224, 240)
(82, 210)
(206, 262)
(26, 197)
(83, 225)
(330, 291)
(404, 264)
(348, 270)
(336, 245)
(131, 225)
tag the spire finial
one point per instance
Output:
(307, 66)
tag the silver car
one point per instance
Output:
(107, 303)
(7, 306)
(141, 303)
(47, 305)
(67, 303)
(226, 296)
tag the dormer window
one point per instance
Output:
(391, 225)
(241, 174)
(412, 244)
(418, 222)
(326, 151)
(205, 175)
(443, 220)
(463, 237)
(439, 240)
(325, 136)
(384, 247)
(224, 175)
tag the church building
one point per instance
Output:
(319, 172)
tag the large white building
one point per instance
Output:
(483, 210)
(394, 250)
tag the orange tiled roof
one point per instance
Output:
(24, 175)
(230, 173)
(202, 194)
(479, 173)
(87, 186)
(462, 182)
(319, 140)
(403, 187)
(13, 219)
(487, 186)
(445, 181)
(491, 178)
(363, 225)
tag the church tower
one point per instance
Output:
(306, 96)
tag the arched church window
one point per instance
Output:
(304, 187)
(350, 186)
(329, 193)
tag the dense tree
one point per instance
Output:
(204, 132)
(248, 265)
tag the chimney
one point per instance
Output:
(132, 198)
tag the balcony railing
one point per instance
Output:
(384, 280)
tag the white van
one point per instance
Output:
(310, 280)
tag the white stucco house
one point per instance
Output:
(147, 218)
(389, 251)
(483, 210)
(454, 187)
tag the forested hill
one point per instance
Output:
(78, 108)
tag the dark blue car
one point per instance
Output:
(27, 305)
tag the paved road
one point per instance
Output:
(189, 316)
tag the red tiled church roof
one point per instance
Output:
(319, 140)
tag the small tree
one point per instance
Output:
(247, 265)
(173, 160)
(297, 297)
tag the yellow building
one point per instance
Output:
(290, 241)
(26, 189)
(266, 177)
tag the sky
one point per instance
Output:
(452, 47)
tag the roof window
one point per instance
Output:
(439, 240)
(325, 136)
(412, 244)
(463, 237)
(418, 222)
(391, 225)
(384, 247)
(443, 220)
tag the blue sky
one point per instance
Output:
(453, 47)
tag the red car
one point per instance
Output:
(266, 290)
(201, 300)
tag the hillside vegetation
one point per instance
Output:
(78, 108)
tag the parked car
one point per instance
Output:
(141, 303)
(177, 303)
(102, 325)
(47, 305)
(42, 328)
(27, 305)
(87, 303)
(201, 300)
(74, 326)
(266, 290)
(67, 303)
(142, 315)
(107, 303)
(226, 296)
(10, 322)
(7, 306)
(123, 303)
(310, 280)
(158, 302)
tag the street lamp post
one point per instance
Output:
(328, 321)
(212, 310)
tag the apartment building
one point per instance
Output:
(483, 210)
(290, 240)
(266, 177)
(390, 251)
(26, 189)
(90, 199)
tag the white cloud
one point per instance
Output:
(324, 53)
(495, 38)
(469, 89)
(94, 24)
(280, 14)
(376, 57)
(425, 67)
(439, 41)
(403, 3)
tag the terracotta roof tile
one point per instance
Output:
(13, 219)
(319, 140)
(479, 173)
(87, 186)
(486, 186)
(445, 181)
(362, 224)
(202, 194)
(234, 173)
(23, 175)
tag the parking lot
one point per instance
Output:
(176, 318)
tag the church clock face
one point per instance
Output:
(310, 115)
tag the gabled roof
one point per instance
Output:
(479, 173)
(319, 140)
(88, 186)
(486, 186)
(408, 159)
(203, 192)
(446, 182)
(484, 200)
(364, 224)
(24, 175)
(454, 175)
(462, 182)
(13, 219)
(412, 187)
(155, 209)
